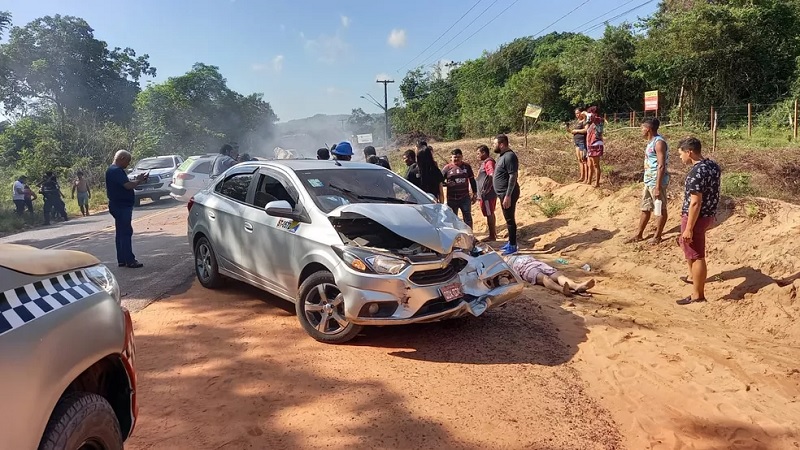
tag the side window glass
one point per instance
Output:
(272, 189)
(204, 167)
(235, 187)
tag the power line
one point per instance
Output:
(464, 29)
(590, 29)
(479, 29)
(601, 16)
(559, 19)
(441, 36)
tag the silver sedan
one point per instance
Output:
(350, 244)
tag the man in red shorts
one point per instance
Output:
(700, 201)
(486, 195)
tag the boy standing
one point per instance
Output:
(700, 202)
(82, 187)
(459, 178)
(656, 180)
(487, 198)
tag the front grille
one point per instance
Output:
(436, 276)
(436, 306)
(149, 186)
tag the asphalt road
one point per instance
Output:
(159, 242)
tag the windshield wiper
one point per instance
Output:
(370, 197)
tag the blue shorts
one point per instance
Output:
(83, 198)
(582, 147)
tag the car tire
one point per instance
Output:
(205, 265)
(82, 417)
(333, 314)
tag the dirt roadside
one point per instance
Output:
(626, 368)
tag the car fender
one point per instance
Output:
(327, 260)
(48, 353)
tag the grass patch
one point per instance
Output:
(752, 211)
(737, 185)
(551, 205)
(10, 222)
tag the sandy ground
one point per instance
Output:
(626, 368)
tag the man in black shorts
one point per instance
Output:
(506, 174)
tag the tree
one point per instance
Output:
(360, 122)
(58, 61)
(197, 112)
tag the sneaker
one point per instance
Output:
(505, 247)
(510, 250)
(121, 264)
(134, 265)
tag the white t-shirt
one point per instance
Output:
(18, 185)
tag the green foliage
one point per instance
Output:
(736, 184)
(197, 112)
(551, 205)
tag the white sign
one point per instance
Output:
(364, 138)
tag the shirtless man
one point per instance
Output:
(534, 271)
(82, 187)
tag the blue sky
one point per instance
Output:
(310, 57)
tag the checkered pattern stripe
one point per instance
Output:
(22, 305)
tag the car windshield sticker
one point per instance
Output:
(289, 225)
(315, 183)
(26, 303)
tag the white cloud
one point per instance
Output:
(258, 67)
(328, 48)
(345, 21)
(277, 63)
(382, 77)
(397, 38)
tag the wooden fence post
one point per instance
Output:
(615, 117)
(795, 119)
(714, 132)
(525, 128)
(749, 120)
(711, 119)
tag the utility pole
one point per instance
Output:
(343, 121)
(385, 111)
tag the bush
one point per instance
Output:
(737, 184)
(552, 206)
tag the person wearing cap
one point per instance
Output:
(382, 161)
(323, 154)
(18, 194)
(343, 151)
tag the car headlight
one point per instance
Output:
(102, 277)
(386, 264)
(369, 262)
(166, 175)
(464, 242)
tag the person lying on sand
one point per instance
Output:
(534, 271)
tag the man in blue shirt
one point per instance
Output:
(120, 204)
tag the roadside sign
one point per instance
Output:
(651, 101)
(533, 111)
(364, 138)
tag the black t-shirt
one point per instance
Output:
(412, 174)
(704, 177)
(431, 181)
(579, 138)
(384, 162)
(507, 164)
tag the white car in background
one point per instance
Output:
(191, 177)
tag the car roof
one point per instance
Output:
(311, 164)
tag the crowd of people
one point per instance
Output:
(53, 198)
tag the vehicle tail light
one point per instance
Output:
(190, 204)
(184, 176)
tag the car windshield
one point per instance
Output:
(333, 188)
(155, 163)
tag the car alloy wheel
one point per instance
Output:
(325, 309)
(205, 264)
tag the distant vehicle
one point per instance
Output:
(161, 169)
(191, 176)
(67, 353)
(351, 244)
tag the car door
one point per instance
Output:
(225, 209)
(272, 241)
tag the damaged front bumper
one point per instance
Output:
(483, 282)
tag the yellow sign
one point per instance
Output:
(533, 111)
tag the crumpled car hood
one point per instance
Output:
(434, 225)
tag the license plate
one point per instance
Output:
(452, 292)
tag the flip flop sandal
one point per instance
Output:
(686, 280)
(688, 300)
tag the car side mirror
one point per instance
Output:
(280, 208)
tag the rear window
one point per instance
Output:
(163, 162)
(185, 165)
